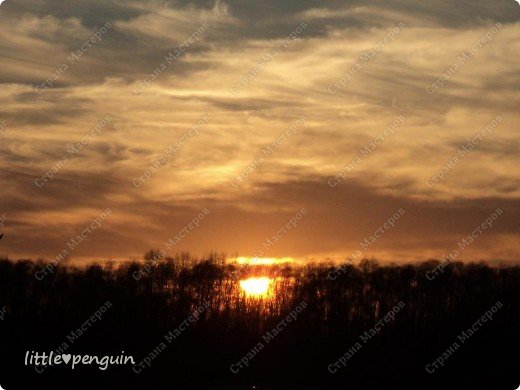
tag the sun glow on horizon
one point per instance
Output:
(256, 287)
(264, 260)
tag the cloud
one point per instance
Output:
(38, 38)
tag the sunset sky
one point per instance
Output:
(203, 87)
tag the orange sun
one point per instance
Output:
(256, 287)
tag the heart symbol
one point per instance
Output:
(66, 358)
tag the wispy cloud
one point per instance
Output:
(38, 37)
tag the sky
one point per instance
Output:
(271, 129)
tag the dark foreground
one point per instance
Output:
(189, 326)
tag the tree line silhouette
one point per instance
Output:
(150, 298)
